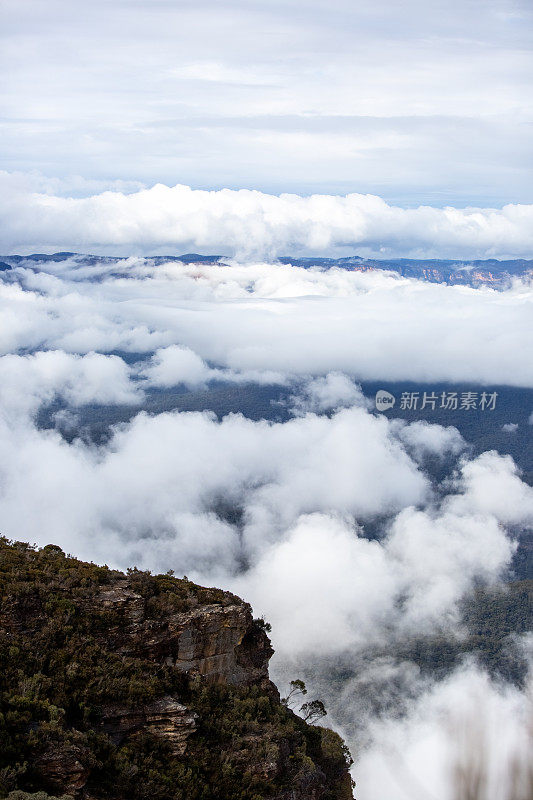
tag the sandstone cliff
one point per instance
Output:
(137, 687)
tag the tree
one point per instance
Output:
(298, 689)
(313, 711)
(261, 622)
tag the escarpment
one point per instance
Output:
(142, 686)
(198, 631)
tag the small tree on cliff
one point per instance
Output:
(261, 622)
(298, 690)
(313, 711)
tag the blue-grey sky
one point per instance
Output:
(418, 102)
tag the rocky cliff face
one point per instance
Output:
(139, 686)
(215, 640)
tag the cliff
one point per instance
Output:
(140, 686)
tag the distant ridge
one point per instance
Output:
(484, 272)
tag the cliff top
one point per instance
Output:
(144, 687)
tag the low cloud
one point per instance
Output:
(175, 365)
(256, 504)
(27, 382)
(260, 321)
(494, 486)
(424, 439)
(331, 392)
(157, 471)
(466, 731)
(336, 581)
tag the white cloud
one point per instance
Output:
(159, 468)
(349, 588)
(422, 438)
(494, 487)
(440, 556)
(174, 365)
(151, 497)
(249, 223)
(340, 588)
(331, 392)
(275, 321)
(28, 381)
(465, 723)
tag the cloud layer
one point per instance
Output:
(270, 322)
(250, 223)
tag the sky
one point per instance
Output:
(417, 103)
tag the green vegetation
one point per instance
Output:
(61, 666)
(492, 622)
(18, 795)
(492, 619)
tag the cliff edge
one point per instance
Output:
(145, 687)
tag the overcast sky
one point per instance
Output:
(416, 102)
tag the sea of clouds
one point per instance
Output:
(280, 511)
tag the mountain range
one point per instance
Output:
(487, 272)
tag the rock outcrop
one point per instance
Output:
(142, 686)
(165, 718)
(217, 641)
(64, 768)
